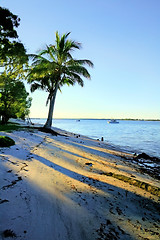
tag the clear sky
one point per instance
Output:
(121, 37)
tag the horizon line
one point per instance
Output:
(133, 119)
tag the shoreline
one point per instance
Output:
(45, 178)
(148, 164)
(136, 145)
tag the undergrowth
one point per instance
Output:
(6, 141)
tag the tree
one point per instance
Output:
(14, 100)
(54, 67)
(13, 55)
(9, 43)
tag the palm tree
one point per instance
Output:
(54, 67)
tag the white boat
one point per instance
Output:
(113, 121)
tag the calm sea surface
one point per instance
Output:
(132, 136)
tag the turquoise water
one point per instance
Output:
(132, 136)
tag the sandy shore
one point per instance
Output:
(57, 188)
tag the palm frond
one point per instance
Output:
(79, 70)
(36, 86)
(44, 51)
(80, 62)
(51, 52)
(76, 45)
(72, 79)
(31, 56)
(55, 66)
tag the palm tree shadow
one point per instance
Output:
(100, 185)
(89, 150)
(116, 202)
(112, 206)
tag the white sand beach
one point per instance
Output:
(55, 188)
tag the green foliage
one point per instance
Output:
(56, 64)
(9, 44)
(54, 67)
(14, 100)
(6, 141)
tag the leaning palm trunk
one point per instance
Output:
(48, 123)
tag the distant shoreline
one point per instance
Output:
(121, 119)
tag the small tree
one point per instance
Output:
(14, 100)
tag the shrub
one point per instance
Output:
(6, 141)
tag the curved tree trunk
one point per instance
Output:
(4, 119)
(48, 123)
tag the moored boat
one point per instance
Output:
(113, 121)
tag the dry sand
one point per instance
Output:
(54, 188)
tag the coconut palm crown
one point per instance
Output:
(54, 67)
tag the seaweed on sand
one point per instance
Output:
(146, 186)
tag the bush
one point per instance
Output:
(6, 141)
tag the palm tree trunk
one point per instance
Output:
(48, 123)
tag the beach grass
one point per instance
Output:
(10, 127)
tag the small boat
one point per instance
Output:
(113, 121)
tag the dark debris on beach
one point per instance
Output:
(146, 164)
(9, 233)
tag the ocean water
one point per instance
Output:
(131, 136)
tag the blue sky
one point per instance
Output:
(121, 37)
